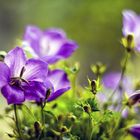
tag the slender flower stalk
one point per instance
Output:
(122, 75)
(17, 121)
(42, 113)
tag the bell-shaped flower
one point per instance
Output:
(60, 83)
(50, 45)
(22, 79)
(131, 28)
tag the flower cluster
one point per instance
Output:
(25, 78)
(109, 108)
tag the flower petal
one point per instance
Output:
(15, 60)
(135, 131)
(60, 83)
(60, 50)
(35, 91)
(32, 36)
(35, 70)
(67, 48)
(129, 22)
(13, 94)
(58, 93)
(55, 33)
(4, 74)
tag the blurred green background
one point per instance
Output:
(95, 25)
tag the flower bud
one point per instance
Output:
(134, 98)
(128, 42)
(98, 68)
(37, 129)
(72, 117)
(48, 92)
(64, 129)
(87, 109)
(93, 87)
(2, 55)
(60, 118)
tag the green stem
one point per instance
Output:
(17, 122)
(42, 118)
(42, 113)
(122, 75)
(90, 126)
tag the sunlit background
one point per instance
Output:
(94, 24)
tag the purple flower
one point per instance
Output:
(131, 26)
(50, 45)
(60, 82)
(135, 131)
(21, 78)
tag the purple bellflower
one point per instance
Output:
(50, 45)
(22, 79)
(60, 82)
(131, 26)
(135, 131)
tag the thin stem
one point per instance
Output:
(42, 113)
(121, 77)
(42, 105)
(17, 121)
(90, 126)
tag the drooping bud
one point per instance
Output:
(134, 98)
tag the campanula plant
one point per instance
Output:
(31, 80)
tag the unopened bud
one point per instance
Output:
(60, 117)
(72, 117)
(48, 92)
(87, 109)
(64, 129)
(93, 86)
(10, 135)
(37, 129)
(134, 98)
